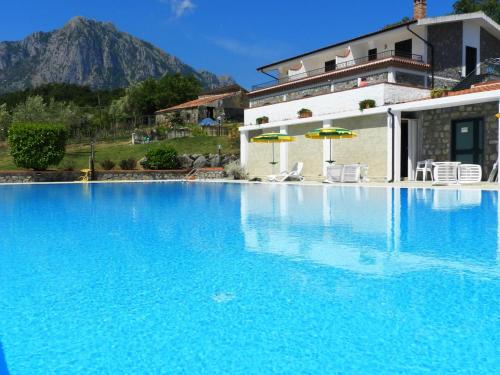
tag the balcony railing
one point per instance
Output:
(340, 66)
(489, 71)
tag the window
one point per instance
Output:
(404, 48)
(330, 65)
(372, 54)
(470, 60)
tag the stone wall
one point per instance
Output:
(311, 91)
(447, 42)
(346, 85)
(259, 102)
(19, 177)
(140, 175)
(436, 133)
(490, 46)
(410, 79)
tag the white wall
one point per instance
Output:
(319, 105)
(336, 102)
(472, 38)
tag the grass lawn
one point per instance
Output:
(77, 155)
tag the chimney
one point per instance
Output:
(419, 9)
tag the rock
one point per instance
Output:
(200, 162)
(215, 162)
(143, 162)
(195, 156)
(185, 161)
(225, 161)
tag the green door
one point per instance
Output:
(467, 141)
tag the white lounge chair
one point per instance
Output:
(352, 173)
(295, 173)
(446, 173)
(470, 174)
(424, 167)
(334, 173)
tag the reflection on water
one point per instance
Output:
(375, 231)
(3, 364)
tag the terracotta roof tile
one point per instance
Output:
(197, 102)
(487, 86)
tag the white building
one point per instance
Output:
(396, 68)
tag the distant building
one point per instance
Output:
(228, 102)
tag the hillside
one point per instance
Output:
(89, 53)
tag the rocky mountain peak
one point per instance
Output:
(92, 53)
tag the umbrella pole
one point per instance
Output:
(331, 160)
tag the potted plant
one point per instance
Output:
(439, 92)
(262, 120)
(305, 113)
(366, 104)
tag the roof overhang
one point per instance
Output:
(340, 44)
(480, 17)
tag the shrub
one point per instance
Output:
(368, 103)
(197, 131)
(262, 120)
(68, 165)
(107, 164)
(304, 113)
(37, 146)
(128, 164)
(162, 158)
(236, 171)
(439, 92)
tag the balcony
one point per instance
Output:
(371, 62)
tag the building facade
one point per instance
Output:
(226, 102)
(398, 69)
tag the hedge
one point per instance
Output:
(162, 158)
(37, 146)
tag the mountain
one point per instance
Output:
(90, 53)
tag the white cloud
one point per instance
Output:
(180, 7)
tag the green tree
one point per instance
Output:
(32, 110)
(37, 146)
(490, 7)
(5, 121)
(149, 96)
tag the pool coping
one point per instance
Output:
(486, 186)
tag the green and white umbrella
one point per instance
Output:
(331, 133)
(272, 138)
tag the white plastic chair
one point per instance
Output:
(352, 173)
(470, 174)
(334, 173)
(446, 173)
(424, 167)
(295, 174)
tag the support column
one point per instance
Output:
(326, 147)
(394, 144)
(498, 147)
(244, 148)
(391, 76)
(283, 151)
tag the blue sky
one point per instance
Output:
(224, 36)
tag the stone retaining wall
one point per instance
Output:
(140, 175)
(20, 177)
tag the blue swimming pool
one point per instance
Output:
(248, 279)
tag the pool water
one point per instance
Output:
(177, 278)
